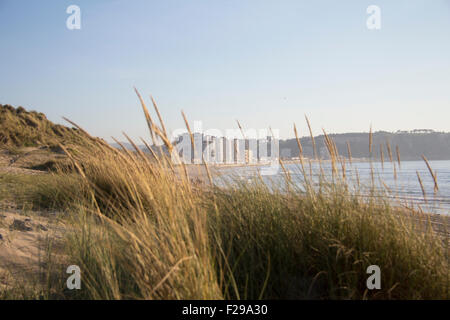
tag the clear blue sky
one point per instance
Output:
(266, 63)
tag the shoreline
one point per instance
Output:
(296, 161)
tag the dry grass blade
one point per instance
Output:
(77, 126)
(388, 146)
(344, 173)
(391, 159)
(433, 174)
(186, 122)
(140, 153)
(154, 129)
(331, 150)
(312, 138)
(349, 152)
(300, 150)
(285, 171)
(152, 152)
(299, 144)
(136, 148)
(98, 142)
(422, 187)
(164, 138)
(149, 119)
(172, 270)
(155, 106)
(77, 166)
(334, 148)
(240, 128)
(208, 173)
(128, 153)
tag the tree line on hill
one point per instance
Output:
(411, 145)
(29, 128)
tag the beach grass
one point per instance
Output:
(141, 228)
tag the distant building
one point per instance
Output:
(422, 131)
(228, 150)
(184, 148)
(262, 150)
(198, 148)
(240, 151)
(207, 149)
(272, 148)
(248, 156)
(250, 151)
(235, 150)
(221, 150)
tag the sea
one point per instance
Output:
(399, 182)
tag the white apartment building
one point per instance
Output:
(198, 148)
(228, 150)
(222, 150)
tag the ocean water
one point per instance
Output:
(399, 182)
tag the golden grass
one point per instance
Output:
(141, 229)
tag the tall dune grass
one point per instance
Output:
(141, 229)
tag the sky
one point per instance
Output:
(264, 63)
